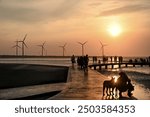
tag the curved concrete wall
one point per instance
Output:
(18, 75)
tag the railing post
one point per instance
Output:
(119, 65)
(112, 66)
(105, 66)
(100, 67)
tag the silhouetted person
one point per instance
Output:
(99, 61)
(135, 60)
(120, 59)
(94, 59)
(105, 59)
(124, 84)
(73, 60)
(111, 58)
(115, 59)
(86, 61)
(78, 61)
(142, 60)
(130, 61)
(147, 60)
(81, 61)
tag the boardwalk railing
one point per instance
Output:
(124, 64)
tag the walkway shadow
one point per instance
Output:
(128, 98)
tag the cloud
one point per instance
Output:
(36, 10)
(95, 4)
(64, 9)
(124, 9)
(18, 14)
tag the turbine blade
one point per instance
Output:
(101, 43)
(84, 42)
(44, 43)
(18, 46)
(25, 44)
(13, 46)
(61, 46)
(25, 37)
(80, 43)
(65, 44)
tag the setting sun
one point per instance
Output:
(114, 29)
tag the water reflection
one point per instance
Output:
(141, 93)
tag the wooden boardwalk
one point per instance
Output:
(123, 64)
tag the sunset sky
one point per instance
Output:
(123, 25)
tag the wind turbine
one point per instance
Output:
(42, 47)
(63, 47)
(82, 45)
(16, 46)
(102, 48)
(23, 44)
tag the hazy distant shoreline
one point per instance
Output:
(31, 56)
(55, 56)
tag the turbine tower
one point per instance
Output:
(42, 47)
(102, 47)
(63, 48)
(16, 46)
(23, 45)
(82, 45)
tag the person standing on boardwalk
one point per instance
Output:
(85, 62)
(73, 60)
